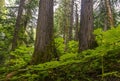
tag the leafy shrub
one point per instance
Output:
(59, 44)
(72, 46)
(21, 56)
(101, 63)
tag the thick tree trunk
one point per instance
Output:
(44, 35)
(86, 25)
(17, 25)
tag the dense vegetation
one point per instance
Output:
(90, 65)
(68, 62)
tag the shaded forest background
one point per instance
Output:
(60, 40)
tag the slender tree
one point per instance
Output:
(86, 25)
(44, 35)
(76, 22)
(105, 15)
(109, 13)
(71, 19)
(102, 16)
(26, 19)
(65, 7)
(18, 25)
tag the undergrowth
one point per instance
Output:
(99, 64)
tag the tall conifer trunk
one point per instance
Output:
(44, 34)
(86, 25)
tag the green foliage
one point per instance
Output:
(6, 32)
(32, 4)
(112, 35)
(21, 56)
(68, 56)
(72, 46)
(90, 65)
(59, 44)
(47, 69)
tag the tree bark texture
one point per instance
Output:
(103, 17)
(109, 13)
(44, 34)
(86, 25)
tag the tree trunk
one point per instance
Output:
(103, 17)
(86, 25)
(71, 19)
(18, 25)
(65, 22)
(44, 35)
(109, 13)
(76, 23)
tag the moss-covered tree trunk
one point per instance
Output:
(44, 35)
(86, 25)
